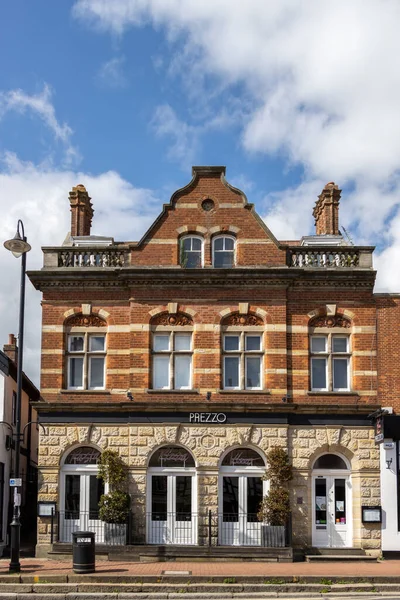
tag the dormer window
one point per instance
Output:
(191, 252)
(223, 252)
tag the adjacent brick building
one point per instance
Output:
(197, 349)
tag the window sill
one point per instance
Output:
(329, 393)
(75, 391)
(263, 392)
(151, 391)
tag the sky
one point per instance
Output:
(125, 96)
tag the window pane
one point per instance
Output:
(230, 499)
(253, 342)
(340, 379)
(318, 344)
(159, 484)
(96, 343)
(318, 373)
(183, 500)
(196, 244)
(223, 260)
(75, 343)
(72, 496)
(183, 367)
(75, 372)
(229, 243)
(339, 344)
(96, 490)
(219, 244)
(253, 374)
(160, 343)
(231, 375)
(161, 372)
(182, 341)
(231, 343)
(191, 260)
(187, 243)
(96, 372)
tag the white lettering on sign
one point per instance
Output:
(174, 456)
(239, 459)
(207, 417)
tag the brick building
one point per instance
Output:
(193, 352)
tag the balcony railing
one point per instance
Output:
(323, 257)
(100, 257)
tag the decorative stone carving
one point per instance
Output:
(85, 321)
(242, 320)
(179, 319)
(330, 321)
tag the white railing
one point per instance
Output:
(90, 257)
(324, 257)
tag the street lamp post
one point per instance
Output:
(19, 247)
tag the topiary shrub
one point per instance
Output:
(114, 506)
(275, 506)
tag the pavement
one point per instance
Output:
(44, 568)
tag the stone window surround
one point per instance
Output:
(86, 333)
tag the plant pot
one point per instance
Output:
(115, 534)
(273, 536)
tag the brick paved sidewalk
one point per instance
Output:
(44, 567)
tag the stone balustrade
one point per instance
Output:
(323, 257)
(88, 257)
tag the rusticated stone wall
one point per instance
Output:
(135, 444)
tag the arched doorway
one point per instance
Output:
(241, 489)
(332, 502)
(171, 497)
(80, 492)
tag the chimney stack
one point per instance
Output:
(326, 210)
(81, 211)
(11, 349)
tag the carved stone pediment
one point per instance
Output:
(85, 321)
(242, 320)
(331, 321)
(165, 318)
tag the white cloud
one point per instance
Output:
(185, 138)
(111, 73)
(40, 105)
(39, 196)
(322, 89)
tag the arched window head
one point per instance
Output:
(191, 252)
(330, 461)
(84, 455)
(224, 251)
(171, 456)
(243, 457)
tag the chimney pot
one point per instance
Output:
(81, 211)
(326, 210)
(11, 349)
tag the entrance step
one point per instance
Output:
(328, 551)
(340, 557)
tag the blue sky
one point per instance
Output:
(125, 96)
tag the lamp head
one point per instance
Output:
(17, 245)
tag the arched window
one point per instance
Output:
(223, 251)
(171, 456)
(191, 252)
(243, 457)
(330, 461)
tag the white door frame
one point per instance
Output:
(331, 475)
(171, 473)
(98, 525)
(241, 472)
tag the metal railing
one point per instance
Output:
(207, 528)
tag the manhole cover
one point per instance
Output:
(176, 572)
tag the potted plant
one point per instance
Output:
(274, 509)
(114, 506)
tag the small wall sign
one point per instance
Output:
(371, 514)
(16, 482)
(388, 445)
(46, 508)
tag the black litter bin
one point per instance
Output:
(83, 552)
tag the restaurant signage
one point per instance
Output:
(207, 417)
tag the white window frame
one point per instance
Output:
(330, 356)
(86, 354)
(243, 355)
(224, 236)
(186, 237)
(171, 353)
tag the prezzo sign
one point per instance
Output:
(207, 417)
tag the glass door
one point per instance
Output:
(172, 519)
(241, 498)
(331, 512)
(81, 506)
